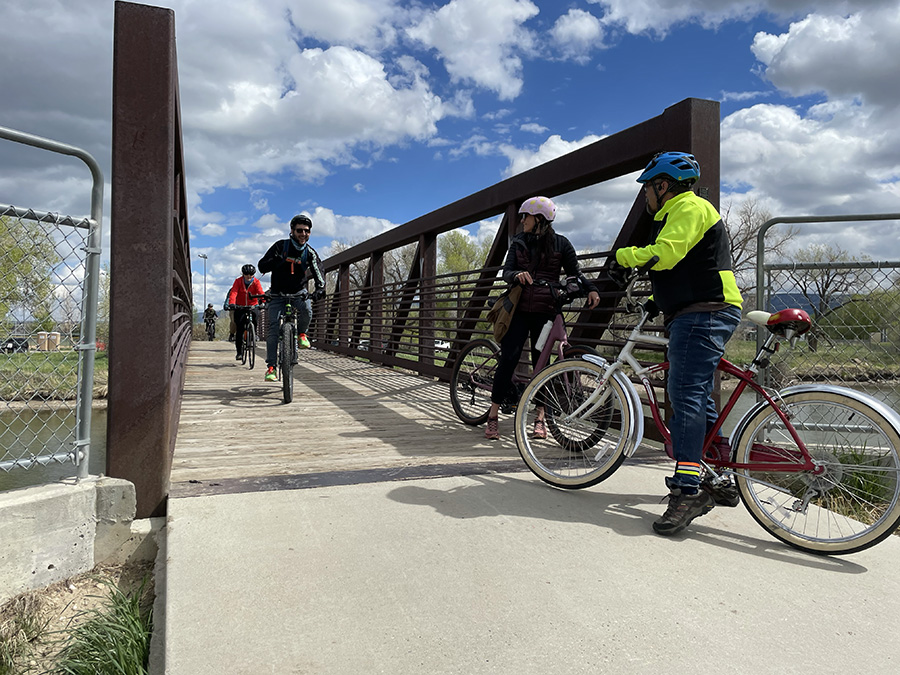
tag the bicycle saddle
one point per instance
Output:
(788, 323)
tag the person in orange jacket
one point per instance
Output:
(240, 300)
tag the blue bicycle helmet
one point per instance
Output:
(679, 166)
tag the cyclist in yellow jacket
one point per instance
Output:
(694, 288)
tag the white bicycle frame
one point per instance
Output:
(615, 371)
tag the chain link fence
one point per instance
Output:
(42, 262)
(855, 337)
(49, 289)
(854, 304)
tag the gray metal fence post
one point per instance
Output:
(88, 343)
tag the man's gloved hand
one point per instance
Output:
(616, 272)
(651, 308)
(318, 294)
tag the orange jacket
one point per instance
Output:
(240, 294)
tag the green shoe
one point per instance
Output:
(303, 341)
(270, 374)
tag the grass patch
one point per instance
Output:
(24, 624)
(61, 628)
(114, 639)
(47, 375)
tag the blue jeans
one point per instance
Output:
(303, 309)
(696, 345)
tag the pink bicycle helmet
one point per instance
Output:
(539, 205)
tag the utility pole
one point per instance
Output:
(203, 255)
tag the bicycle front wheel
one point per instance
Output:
(286, 355)
(473, 379)
(580, 450)
(249, 348)
(851, 501)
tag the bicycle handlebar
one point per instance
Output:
(268, 295)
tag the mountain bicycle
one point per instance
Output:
(210, 329)
(286, 357)
(816, 465)
(472, 377)
(248, 330)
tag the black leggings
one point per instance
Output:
(239, 321)
(522, 326)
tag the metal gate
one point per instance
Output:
(49, 289)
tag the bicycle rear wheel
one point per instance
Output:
(287, 347)
(579, 451)
(852, 502)
(473, 379)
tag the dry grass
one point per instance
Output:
(34, 626)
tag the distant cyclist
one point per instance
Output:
(209, 318)
(241, 290)
(293, 263)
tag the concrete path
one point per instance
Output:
(499, 573)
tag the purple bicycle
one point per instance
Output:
(473, 372)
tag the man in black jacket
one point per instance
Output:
(293, 263)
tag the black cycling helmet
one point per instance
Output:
(209, 305)
(301, 219)
(248, 269)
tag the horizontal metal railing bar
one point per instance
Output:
(849, 264)
(44, 217)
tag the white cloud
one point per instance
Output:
(522, 159)
(842, 56)
(315, 123)
(480, 42)
(743, 95)
(576, 34)
(837, 162)
(533, 128)
(659, 16)
(212, 229)
(368, 24)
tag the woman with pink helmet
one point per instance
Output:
(537, 252)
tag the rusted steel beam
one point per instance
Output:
(145, 289)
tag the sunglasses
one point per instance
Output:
(301, 230)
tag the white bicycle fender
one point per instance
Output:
(636, 435)
(636, 430)
(879, 406)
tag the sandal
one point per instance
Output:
(540, 429)
(492, 431)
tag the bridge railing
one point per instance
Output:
(420, 323)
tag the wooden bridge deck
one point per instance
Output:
(350, 421)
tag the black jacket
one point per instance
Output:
(524, 255)
(290, 273)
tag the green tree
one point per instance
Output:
(27, 258)
(458, 252)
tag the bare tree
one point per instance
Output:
(824, 286)
(397, 264)
(743, 223)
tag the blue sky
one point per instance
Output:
(366, 114)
